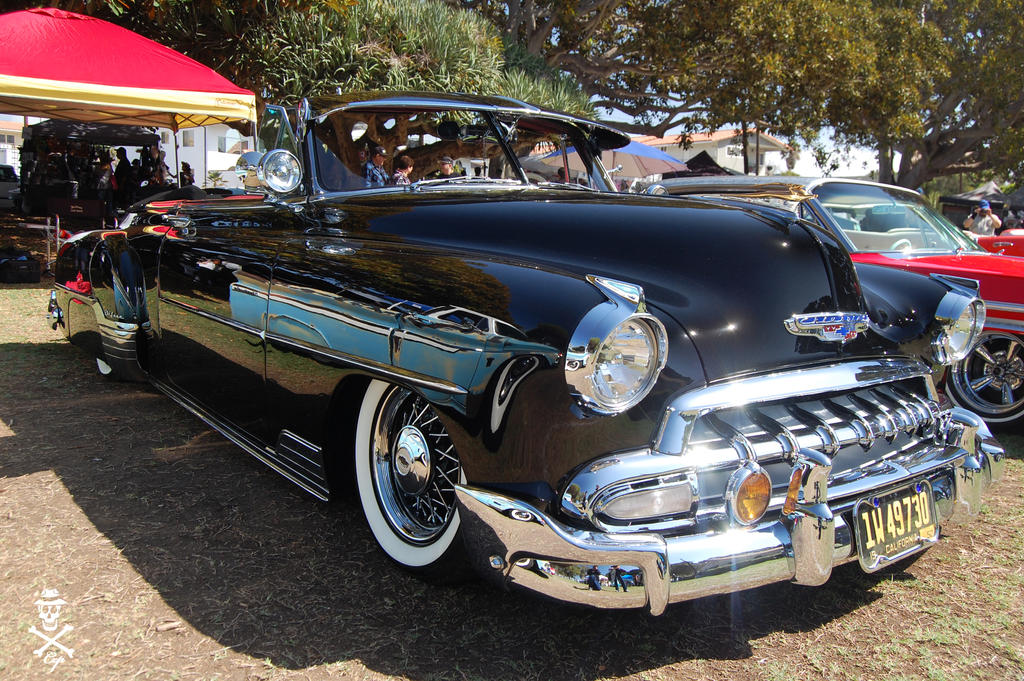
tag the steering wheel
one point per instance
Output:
(900, 244)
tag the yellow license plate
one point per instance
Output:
(891, 526)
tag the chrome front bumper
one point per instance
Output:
(522, 547)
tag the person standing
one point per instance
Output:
(982, 221)
(187, 176)
(403, 167)
(617, 578)
(446, 170)
(125, 183)
(373, 170)
(103, 177)
(594, 578)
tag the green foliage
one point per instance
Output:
(698, 64)
(284, 50)
(385, 44)
(396, 45)
(937, 81)
(562, 94)
(958, 79)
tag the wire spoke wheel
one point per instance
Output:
(415, 468)
(406, 471)
(990, 381)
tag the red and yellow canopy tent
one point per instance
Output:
(58, 64)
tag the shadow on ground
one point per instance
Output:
(253, 563)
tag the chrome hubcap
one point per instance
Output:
(991, 379)
(415, 467)
(412, 461)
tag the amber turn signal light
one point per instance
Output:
(750, 492)
(794, 491)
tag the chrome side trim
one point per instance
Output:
(1003, 324)
(385, 370)
(1005, 307)
(301, 456)
(233, 323)
(317, 488)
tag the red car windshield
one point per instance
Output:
(876, 218)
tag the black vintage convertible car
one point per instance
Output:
(527, 373)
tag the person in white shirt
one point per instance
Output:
(982, 221)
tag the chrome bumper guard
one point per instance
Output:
(522, 547)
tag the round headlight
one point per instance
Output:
(964, 331)
(963, 319)
(279, 171)
(617, 351)
(625, 363)
(620, 370)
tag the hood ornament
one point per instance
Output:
(828, 326)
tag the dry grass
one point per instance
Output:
(182, 559)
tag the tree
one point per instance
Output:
(396, 45)
(968, 112)
(701, 63)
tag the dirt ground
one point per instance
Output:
(179, 557)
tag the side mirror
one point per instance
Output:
(245, 168)
(656, 190)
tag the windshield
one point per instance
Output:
(875, 218)
(364, 148)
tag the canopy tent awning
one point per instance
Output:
(700, 165)
(989, 191)
(1016, 199)
(94, 133)
(57, 64)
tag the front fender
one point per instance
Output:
(116, 275)
(100, 284)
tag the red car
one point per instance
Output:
(1010, 242)
(893, 226)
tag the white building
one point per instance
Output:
(209, 149)
(726, 148)
(10, 140)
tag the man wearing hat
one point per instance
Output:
(982, 221)
(373, 170)
(447, 170)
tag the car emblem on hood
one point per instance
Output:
(828, 326)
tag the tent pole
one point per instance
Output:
(177, 163)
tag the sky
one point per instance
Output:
(859, 162)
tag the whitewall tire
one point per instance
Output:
(406, 468)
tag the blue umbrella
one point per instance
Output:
(633, 160)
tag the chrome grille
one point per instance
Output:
(855, 428)
(876, 421)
